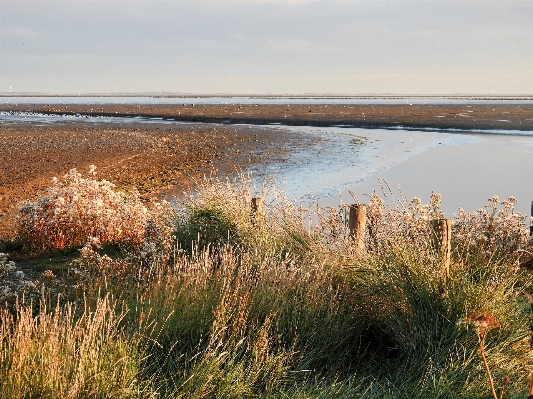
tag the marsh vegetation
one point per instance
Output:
(207, 300)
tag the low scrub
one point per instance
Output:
(77, 208)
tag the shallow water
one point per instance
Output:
(467, 167)
(344, 157)
(36, 117)
(466, 175)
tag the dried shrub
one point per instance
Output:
(12, 281)
(77, 208)
(491, 231)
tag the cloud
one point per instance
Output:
(18, 32)
(305, 45)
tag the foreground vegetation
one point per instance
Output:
(207, 300)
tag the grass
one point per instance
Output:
(215, 303)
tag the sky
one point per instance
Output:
(267, 47)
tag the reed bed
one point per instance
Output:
(212, 299)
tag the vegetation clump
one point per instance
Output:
(77, 208)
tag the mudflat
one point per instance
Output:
(151, 157)
(416, 116)
(155, 157)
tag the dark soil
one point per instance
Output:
(484, 116)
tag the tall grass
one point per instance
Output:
(60, 353)
(214, 302)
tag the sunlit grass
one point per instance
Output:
(210, 301)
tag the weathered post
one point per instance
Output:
(257, 210)
(357, 225)
(442, 241)
(531, 225)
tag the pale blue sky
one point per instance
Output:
(258, 47)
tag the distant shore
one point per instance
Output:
(308, 96)
(380, 116)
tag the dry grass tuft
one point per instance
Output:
(58, 353)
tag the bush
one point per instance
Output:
(77, 208)
(206, 228)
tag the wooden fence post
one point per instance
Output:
(531, 225)
(357, 225)
(257, 210)
(442, 241)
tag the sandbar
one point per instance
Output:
(380, 116)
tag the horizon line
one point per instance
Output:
(263, 95)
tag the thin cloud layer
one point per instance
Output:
(417, 47)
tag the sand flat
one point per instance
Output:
(382, 116)
(157, 159)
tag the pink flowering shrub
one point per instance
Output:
(77, 208)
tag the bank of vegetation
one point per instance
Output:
(211, 298)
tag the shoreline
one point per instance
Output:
(158, 160)
(162, 156)
(345, 157)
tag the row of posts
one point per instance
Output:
(442, 230)
(442, 235)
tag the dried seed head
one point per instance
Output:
(483, 322)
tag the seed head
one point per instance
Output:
(483, 322)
